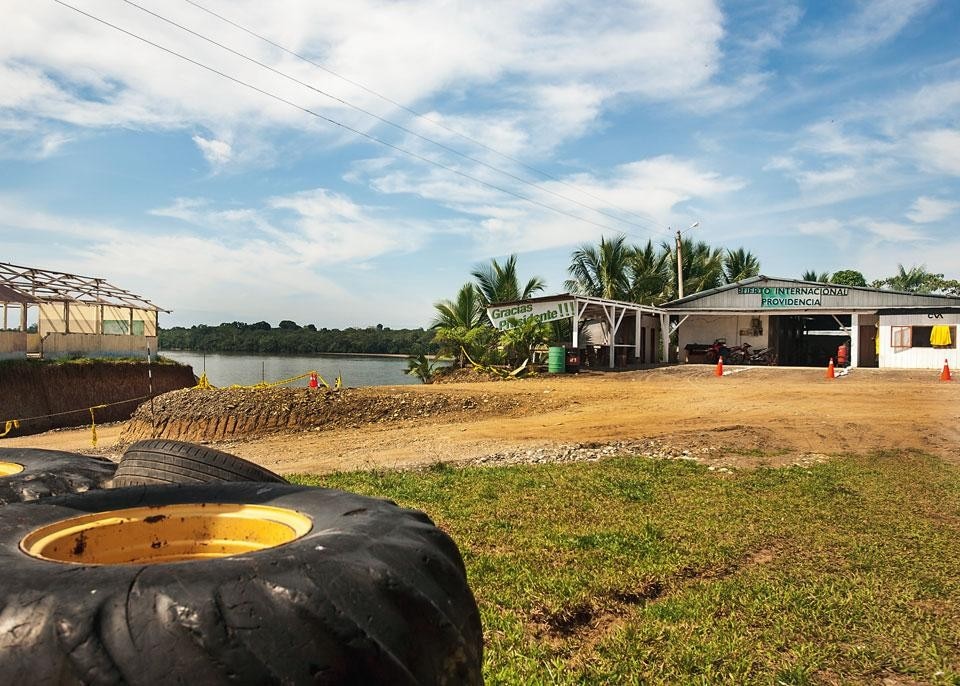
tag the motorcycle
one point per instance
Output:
(718, 349)
(744, 354)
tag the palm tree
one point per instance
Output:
(649, 274)
(497, 283)
(702, 267)
(601, 271)
(812, 275)
(914, 280)
(740, 264)
(459, 322)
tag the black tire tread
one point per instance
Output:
(373, 594)
(162, 461)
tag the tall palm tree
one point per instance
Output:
(649, 274)
(812, 275)
(702, 267)
(497, 283)
(740, 264)
(601, 271)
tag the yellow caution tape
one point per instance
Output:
(203, 382)
(93, 424)
(9, 426)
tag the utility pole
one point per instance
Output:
(680, 259)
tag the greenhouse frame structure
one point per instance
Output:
(52, 314)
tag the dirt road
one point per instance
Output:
(752, 415)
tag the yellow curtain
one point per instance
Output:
(940, 337)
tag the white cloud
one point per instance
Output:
(891, 231)
(216, 152)
(925, 209)
(272, 275)
(874, 22)
(553, 66)
(823, 227)
(829, 138)
(937, 151)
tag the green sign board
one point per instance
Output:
(508, 316)
(792, 296)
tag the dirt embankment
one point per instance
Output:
(750, 417)
(241, 413)
(47, 395)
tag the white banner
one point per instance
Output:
(506, 317)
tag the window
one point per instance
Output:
(919, 336)
(900, 336)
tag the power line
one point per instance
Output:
(335, 122)
(424, 117)
(376, 116)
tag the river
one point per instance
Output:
(226, 369)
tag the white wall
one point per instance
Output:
(706, 328)
(917, 358)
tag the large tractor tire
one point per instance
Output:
(232, 583)
(30, 473)
(161, 461)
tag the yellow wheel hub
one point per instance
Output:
(167, 533)
(10, 468)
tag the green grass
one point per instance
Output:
(642, 571)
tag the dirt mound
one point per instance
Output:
(229, 413)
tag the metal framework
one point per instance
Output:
(610, 314)
(30, 285)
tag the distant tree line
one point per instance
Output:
(916, 279)
(291, 338)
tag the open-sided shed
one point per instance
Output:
(611, 332)
(47, 313)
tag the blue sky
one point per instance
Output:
(818, 135)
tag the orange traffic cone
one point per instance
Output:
(945, 374)
(719, 370)
(313, 380)
(830, 374)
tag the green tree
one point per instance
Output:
(914, 280)
(649, 274)
(601, 271)
(497, 283)
(702, 267)
(520, 341)
(848, 277)
(740, 264)
(422, 367)
(812, 275)
(459, 324)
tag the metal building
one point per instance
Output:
(53, 314)
(807, 322)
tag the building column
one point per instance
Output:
(854, 340)
(638, 329)
(576, 325)
(665, 337)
